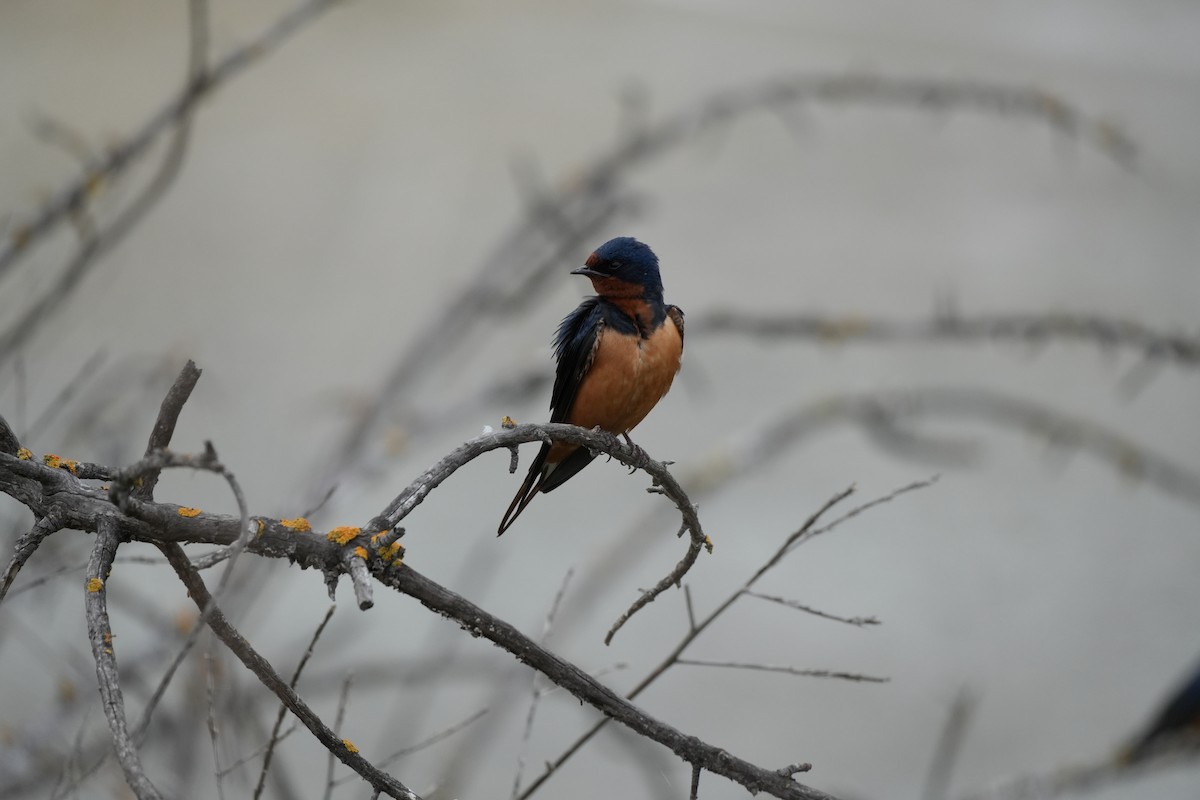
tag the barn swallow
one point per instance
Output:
(617, 355)
(1179, 718)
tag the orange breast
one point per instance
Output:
(628, 377)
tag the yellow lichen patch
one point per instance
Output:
(94, 182)
(187, 511)
(183, 621)
(361, 552)
(108, 637)
(842, 329)
(391, 552)
(708, 544)
(94, 585)
(259, 527)
(51, 460)
(299, 524)
(343, 534)
(71, 464)
(24, 454)
(395, 440)
(21, 237)
(508, 422)
(349, 745)
(375, 537)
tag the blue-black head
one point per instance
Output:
(623, 259)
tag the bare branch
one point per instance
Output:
(266, 674)
(689, 748)
(8, 439)
(808, 673)
(213, 731)
(596, 440)
(547, 626)
(116, 160)
(52, 522)
(561, 218)
(937, 782)
(343, 703)
(1095, 329)
(101, 638)
(1100, 773)
(275, 737)
(164, 426)
(856, 621)
(694, 630)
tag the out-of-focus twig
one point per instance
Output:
(116, 160)
(1102, 331)
(560, 220)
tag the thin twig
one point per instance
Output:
(209, 691)
(101, 638)
(28, 544)
(1079, 779)
(808, 673)
(689, 748)
(343, 703)
(116, 160)
(96, 243)
(269, 678)
(783, 601)
(275, 737)
(937, 781)
(561, 219)
(421, 745)
(1104, 332)
(689, 636)
(536, 694)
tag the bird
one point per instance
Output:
(1177, 720)
(617, 355)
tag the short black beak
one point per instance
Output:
(588, 271)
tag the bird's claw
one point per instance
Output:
(640, 456)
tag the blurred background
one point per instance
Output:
(365, 244)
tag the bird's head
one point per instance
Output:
(623, 266)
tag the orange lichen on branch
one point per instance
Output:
(349, 745)
(508, 422)
(391, 552)
(708, 544)
(94, 585)
(24, 454)
(299, 524)
(51, 460)
(187, 511)
(361, 552)
(71, 464)
(343, 534)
